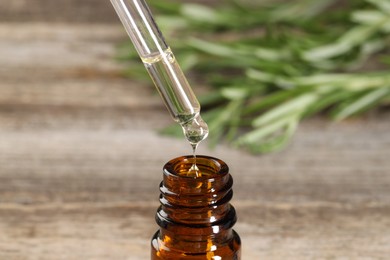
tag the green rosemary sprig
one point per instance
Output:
(270, 64)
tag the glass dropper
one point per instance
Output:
(162, 67)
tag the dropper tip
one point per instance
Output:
(195, 130)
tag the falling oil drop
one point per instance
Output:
(195, 130)
(194, 170)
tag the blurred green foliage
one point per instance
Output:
(270, 64)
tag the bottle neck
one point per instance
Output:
(196, 209)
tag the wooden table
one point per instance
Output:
(80, 162)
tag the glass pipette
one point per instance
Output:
(163, 68)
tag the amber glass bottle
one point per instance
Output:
(195, 216)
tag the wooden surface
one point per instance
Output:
(80, 162)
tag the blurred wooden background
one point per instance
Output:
(80, 157)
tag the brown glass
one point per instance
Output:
(195, 216)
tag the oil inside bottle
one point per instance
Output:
(179, 99)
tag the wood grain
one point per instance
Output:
(80, 163)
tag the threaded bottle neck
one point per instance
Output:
(195, 216)
(196, 201)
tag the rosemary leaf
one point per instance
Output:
(270, 64)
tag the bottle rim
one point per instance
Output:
(211, 167)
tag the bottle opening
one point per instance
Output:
(209, 167)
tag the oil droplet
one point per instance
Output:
(194, 171)
(195, 130)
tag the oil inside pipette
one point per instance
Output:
(179, 98)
